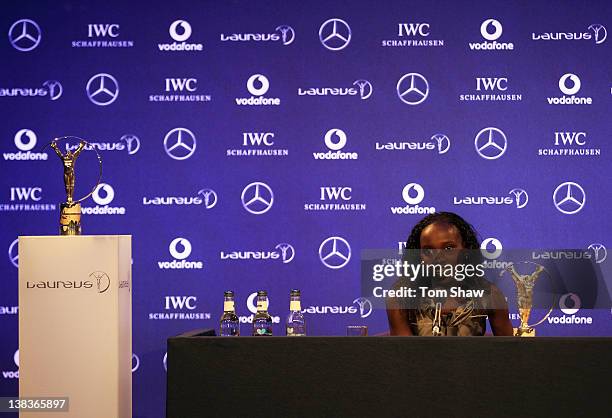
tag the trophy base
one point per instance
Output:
(70, 219)
(524, 332)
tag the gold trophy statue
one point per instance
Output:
(524, 289)
(70, 210)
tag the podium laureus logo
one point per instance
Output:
(257, 198)
(335, 34)
(180, 143)
(24, 35)
(335, 252)
(569, 198)
(491, 143)
(412, 88)
(101, 280)
(102, 89)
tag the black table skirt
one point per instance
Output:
(388, 377)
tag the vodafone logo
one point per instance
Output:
(258, 85)
(180, 248)
(107, 191)
(25, 140)
(409, 190)
(569, 84)
(335, 139)
(485, 29)
(180, 30)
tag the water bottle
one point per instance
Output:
(262, 323)
(230, 324)
(296, 325)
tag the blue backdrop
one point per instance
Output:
(265, 144)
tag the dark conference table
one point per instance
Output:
(388, 376)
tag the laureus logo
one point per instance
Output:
(283, 252)
(517, 197)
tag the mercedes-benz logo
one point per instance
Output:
(257, 198)
(412, 88)
(24, 35)
(335, 34)
(13, 253)
(180, 143)
(600, 252)
(209, 198)
(569, 198)
(491, 143)
(335, 252)
(102, 89)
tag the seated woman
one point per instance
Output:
(444, 238)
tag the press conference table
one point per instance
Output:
(388, 376)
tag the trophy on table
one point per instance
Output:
(524, 289)
(70, 210)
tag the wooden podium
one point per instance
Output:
(75, 323)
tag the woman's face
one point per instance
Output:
(441, 243)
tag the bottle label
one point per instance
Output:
(289, 330)
(262, 305)
(294, 305)
(228, 306)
